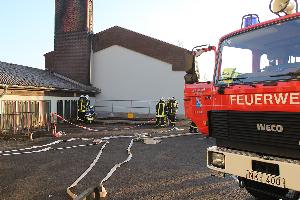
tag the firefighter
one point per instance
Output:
(167, 110)
(172, 106)
(161, 110)
(81, 108)
(193, 128)
(90, 113)
(88, 102)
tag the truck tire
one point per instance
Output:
(296, 196)
(262, 191)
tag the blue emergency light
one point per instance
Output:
(249, 20)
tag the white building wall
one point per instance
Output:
(123, 74)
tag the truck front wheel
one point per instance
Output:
(262, 191)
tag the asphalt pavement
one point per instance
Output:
(175, 168)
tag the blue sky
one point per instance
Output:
(27, 26)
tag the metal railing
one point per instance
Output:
(120, 105)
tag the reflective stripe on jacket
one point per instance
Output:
(172, 107)
(81, 106)
(160, 109)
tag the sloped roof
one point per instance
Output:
(28, 77)
(146, 45)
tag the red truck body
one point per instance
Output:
(254, 115)
(280, 97)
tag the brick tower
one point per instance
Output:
(72, 40)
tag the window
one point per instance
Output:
(265, 54)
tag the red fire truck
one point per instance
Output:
(251, 106)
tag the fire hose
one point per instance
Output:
(95, 192)
(47, 147)
(103, 193)
(70, 193)
(138, 137)
(73, 195)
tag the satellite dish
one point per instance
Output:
(283, 7)
(290, 8)
(279, 5)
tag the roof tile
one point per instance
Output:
(19, 75)
(146, 45)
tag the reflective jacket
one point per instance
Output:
(161, 109)
(172, 107)
(82, 104)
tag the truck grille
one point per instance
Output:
(269, 133)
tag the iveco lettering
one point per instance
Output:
(270, 127)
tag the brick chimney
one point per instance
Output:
(72, 40)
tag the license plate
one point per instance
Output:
(266, 178)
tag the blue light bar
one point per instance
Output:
(249, 20)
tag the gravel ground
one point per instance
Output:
(175, 168)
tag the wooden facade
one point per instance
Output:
(22, 111)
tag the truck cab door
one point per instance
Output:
(198, 101)
(198, 94)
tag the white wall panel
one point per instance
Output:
(124, 74)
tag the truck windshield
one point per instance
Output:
(271, 53)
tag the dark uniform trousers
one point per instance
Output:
(172, 109)
(172, 119)
(193, 128)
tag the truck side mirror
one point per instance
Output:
(192, 75)
(188, 63)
